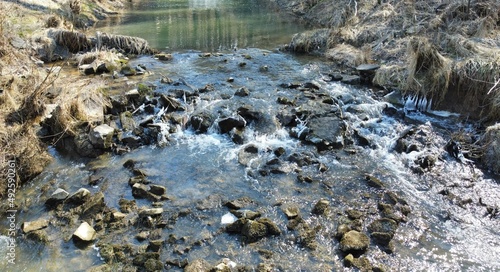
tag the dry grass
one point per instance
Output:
(428, 71)
(391, 76)
(477, 77)
(310, 41)
(131, 45)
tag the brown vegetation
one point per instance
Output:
(26, 88)
(446, 51)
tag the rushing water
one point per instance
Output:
(442, 233)
(206, 25)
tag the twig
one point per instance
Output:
(494, 86)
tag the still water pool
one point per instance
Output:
(205, 25)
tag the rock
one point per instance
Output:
(254, 230)
(155, 245)
(157, 189)
(426, 162)
(227, 124)
(127, 122)
(39, 236)
(354, 242)
(363, 264)
(367, 72)
(321, 207)
(58, 196)
(201, 121)
(243, 91)
(374, 182)
(117, 216)
(239, 203)
(142, 258)
(197, 266)
(151, 212)
(341, 230)
(140, 190)
(354, 214)
(130, 140)
(164, 56)
(491, 140)
(247, 154)
(291, 212)
(326, 133)
(34, 225)
(102, 136)
(79, 197)
(84, 233)
(129, 164)
(127, 206)
(247, 214)
(170, 103)
(95, 205)
(272, 228)
(86, 69)
(383, 225)
(153, 265)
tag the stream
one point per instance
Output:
(442, 209)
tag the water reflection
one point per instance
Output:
(206, 25)
(203, 4)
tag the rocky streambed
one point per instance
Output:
(255, 160)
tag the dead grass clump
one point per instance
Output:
(20, 144)
(310, 41)
(130, 45)
(491, 141)
(346, 55)
(428, 71)
(53, 22)
(74, 41)
(478, 78)
(391, 76)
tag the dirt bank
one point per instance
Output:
(30, 88)
(444, 51)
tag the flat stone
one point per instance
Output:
(34, 225)
(84, 233)
(151, 212)
(367, 67)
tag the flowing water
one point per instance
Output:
(202, 171)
